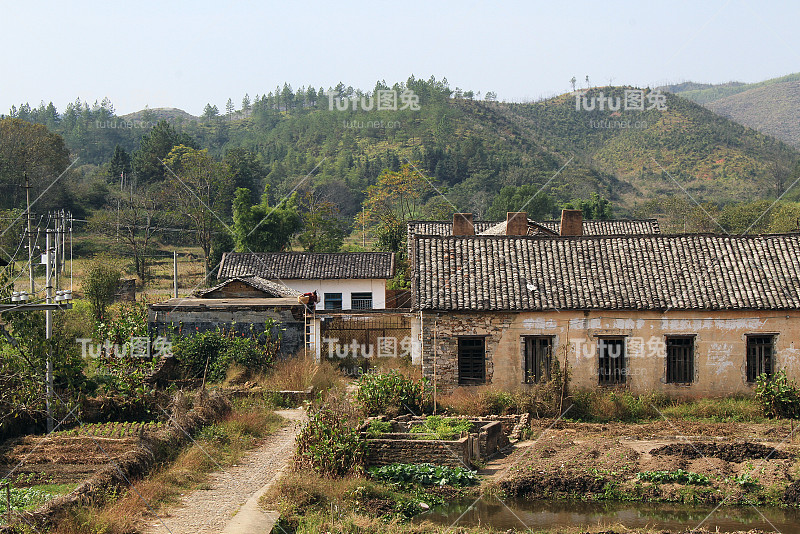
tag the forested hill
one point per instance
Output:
(472, 149)
(771, 107)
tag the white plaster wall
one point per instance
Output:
(345, 287)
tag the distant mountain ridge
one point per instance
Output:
(771, 106)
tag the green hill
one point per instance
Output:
(471, 149)
(771, 107)
(704, 93)
(773, 110)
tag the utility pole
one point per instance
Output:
(49, 329)
(30, 232)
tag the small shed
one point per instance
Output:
(248, 287)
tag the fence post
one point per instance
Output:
(8, 501)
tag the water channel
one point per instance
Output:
(539, 515)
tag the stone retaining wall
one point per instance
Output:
(417, 451)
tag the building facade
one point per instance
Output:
(688, 315)
(343, 281)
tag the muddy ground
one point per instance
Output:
(744, 463)
(58, 459)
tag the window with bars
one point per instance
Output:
(680, 359)
(471, 360)
(538, 358)
(361, 301)
(333, 301)
(612, 365)
(760, 350)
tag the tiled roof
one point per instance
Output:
(612, 226)
(307, 265)
(273, 289)
(590, 227)
(444, 227)
(652, 272)
(534, 228)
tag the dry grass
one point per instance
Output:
(292, 374)
(298, 373)
(540, 400)
(309, 503)
(226, 442)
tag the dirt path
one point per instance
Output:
(208, 511)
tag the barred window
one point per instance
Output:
(361, 301)
(760, 350)
(680, 359)
(612, 364)
(333, 301)
(471, 360)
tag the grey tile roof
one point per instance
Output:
(590, 227)
(652, 272)
(444, 227)
(273, 289)
(612, 226)
(307, 265)
(534, 228)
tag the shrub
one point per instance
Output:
(100, 285)
(329, 445)
(778, 396)
(390, 393)
(425, 474)
(210, 354)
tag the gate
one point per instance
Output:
(366, 336)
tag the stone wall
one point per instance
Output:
(720, 347)
(492, 439)
(241, 320)
(417, 451)
(440, 341)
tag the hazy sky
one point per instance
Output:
(185, 54)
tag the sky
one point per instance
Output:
(186, 54)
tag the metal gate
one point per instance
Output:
(366, 336)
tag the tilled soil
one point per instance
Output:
(59, 459)
(729, 452)
(744, 463)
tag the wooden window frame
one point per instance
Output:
(610, 372)
(757, 359)
(680, 359)
(537, 355)
(477, 363)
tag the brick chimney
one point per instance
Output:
(462, 224)
(517, 223)
(571, 222)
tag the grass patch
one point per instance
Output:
(218, 445)
(309, 503)
(602, 406)
(722, 410)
